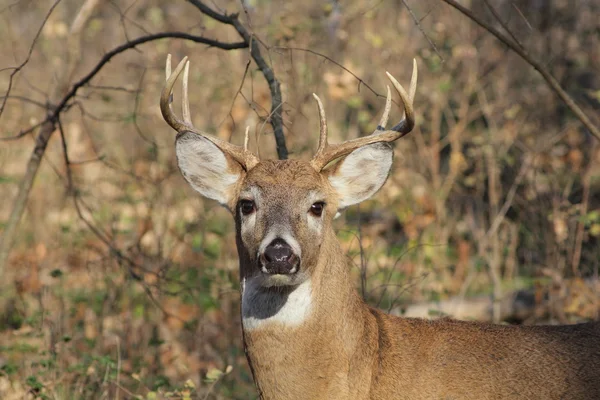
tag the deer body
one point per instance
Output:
(307, 333)
(347, 350)
(336, 347)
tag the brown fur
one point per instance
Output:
(347, 350)
(307, 333)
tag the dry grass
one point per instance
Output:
(497, 188)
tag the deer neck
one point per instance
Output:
(286, 330)
(325, 298)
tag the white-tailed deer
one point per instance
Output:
(307, 333)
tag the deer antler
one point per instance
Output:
(240, 154)
(327, 153)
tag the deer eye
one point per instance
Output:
(317, 208)
(247, 207)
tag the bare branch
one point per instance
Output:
(136, 42)
(18, 68)
(502, 23)
(276, 119)
(204, 9)
(23, 132)
(60, 104)
(524, 54)
(361, 82)
(25, 100)
(237, 93)
(418, 24)
(63, 141)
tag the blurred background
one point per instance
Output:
(123, 282)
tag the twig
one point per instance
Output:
(22, 133)
(237, 93)
(418, 24)
(135, 113)
(361, 82)
(136, 42)
(276, 119)
(524, 54)
(523, 17)
(586, 183)
(66, 158)
(20, 66)
(118, 383)
(509, 199)
(503, 24)
(48, 125)
(25, 100)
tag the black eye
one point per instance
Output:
(247, 207)
(317, 208)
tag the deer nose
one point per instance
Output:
(279, 258)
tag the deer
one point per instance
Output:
(306, 331)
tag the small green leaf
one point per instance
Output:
(213, 374)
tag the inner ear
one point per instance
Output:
(361, 173)
(210, 171)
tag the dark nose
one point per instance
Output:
(279, 258)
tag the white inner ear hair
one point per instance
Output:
(362, 173)
(263, 307)
(205, 167)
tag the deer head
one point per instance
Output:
(283, 209)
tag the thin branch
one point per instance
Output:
(523, 17)
(509, 199)
(22, 133)
(237, 93)
(276, 119)
(115, 88)
(503, 24)
(63, 142)
(135, 113)
(524, 54)
(418, 24)
(204, 9)
(25, 100)
(361, 82)
(586, 183)
(48, 125)
(18, 68)
(136, 42)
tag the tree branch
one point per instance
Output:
(20, 66)
(276, 118)
(49, 124)
(136, 42)
(204, 9)
(524, 54)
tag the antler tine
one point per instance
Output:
(185, 102)
(331, 152)
(165, 98)
(386, 111)
(322, 125)
(413, 81)
(246, 137)
(405, 124)
(168, 67)
(245, 158)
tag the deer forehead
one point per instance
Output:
(288, 180)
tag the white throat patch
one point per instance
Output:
(265, 306)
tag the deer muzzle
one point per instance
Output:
(279, 258)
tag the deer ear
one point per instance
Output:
(207, 169)
(361, 173)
